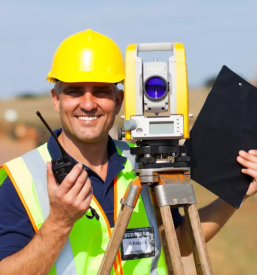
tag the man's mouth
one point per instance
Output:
(87, 118)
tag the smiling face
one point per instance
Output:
(87, 110)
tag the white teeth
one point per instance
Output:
(86, 118)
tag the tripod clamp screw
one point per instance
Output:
(122, 201)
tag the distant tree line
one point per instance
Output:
(31, 95)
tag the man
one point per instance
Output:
(43, 227)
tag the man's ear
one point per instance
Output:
(56, 100)
(119, 100)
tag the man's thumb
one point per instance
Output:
(51, 182)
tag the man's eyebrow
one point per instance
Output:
(102, 87)
(72, 88)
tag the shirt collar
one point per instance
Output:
(111, 148)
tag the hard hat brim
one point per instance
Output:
(79, 78)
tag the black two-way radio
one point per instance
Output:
(62, 166)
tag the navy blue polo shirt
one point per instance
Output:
(16, 229)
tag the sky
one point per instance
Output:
(214, 33)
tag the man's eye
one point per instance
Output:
(73, 92)
(101, 92)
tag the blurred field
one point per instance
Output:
(232, 251)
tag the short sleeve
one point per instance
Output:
(16, 229)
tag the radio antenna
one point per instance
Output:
(62, 151)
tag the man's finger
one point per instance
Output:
(71, 178)
(87, 189)
(250, 172)
(81, 180)
(248, 156)
(247, 164)
(253, 152)
(51, 182)
(86, 202)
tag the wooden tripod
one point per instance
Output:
(169, 187)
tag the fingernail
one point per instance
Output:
(251, 152)
(80, 165)
(242, 153)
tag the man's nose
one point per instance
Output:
(88, 102)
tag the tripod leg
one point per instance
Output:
(131, 197)
(161, 232)
(172, 241)
(201, 256)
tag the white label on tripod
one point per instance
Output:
(138, 243)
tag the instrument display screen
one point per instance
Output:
(161, 128)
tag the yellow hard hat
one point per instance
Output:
(87, 56)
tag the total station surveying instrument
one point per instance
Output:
(156, 118)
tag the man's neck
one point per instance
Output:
(94, 154)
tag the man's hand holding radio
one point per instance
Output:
(69, 201)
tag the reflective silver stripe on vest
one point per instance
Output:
(37, 168)
(125, 148)
(65, 263)
(152, 222)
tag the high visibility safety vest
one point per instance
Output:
(85, 247)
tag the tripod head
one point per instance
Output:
(160, 154)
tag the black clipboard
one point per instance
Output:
(226, 124)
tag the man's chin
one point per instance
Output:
(90, 138)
